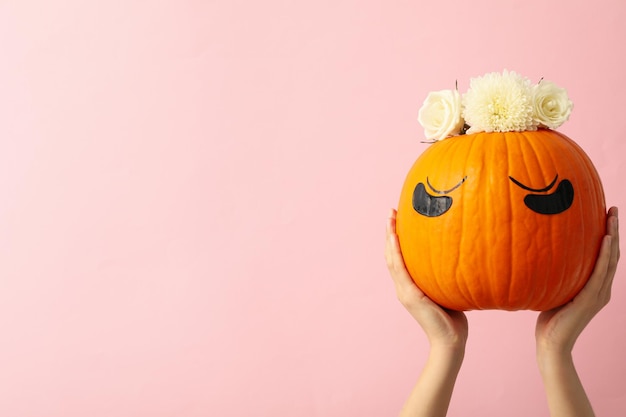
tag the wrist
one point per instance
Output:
(450, 345)
(550, 359)
(452, 355)
(553, 350)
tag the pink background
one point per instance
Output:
(194, 196)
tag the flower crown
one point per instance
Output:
(495, 102)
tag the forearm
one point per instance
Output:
(431, 395)
(564, 390)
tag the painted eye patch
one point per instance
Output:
(557, 202)
(430, 205)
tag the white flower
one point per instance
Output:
(499, 103)
(552, 106)
(440, 115)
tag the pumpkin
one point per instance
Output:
(501, 220)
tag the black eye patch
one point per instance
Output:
(429, 205)
(557, 202)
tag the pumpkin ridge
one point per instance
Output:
(447, 155)
(598, 199)
(489, 152)
(460, 278)
(452, 262)
(435, 289)
(508, 198)
(504, 296)
(512, 148)
(476, 146)
(571, 279)
(529, 152)
(437, 263)
(581, 275)
(556, 152)
(539, 145)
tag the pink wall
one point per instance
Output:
(194, 196)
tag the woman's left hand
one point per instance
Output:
(558, 329)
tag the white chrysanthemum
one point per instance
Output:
(499, 103)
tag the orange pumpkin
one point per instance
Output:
(508, 221)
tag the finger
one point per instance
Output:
(389, 258)
(395, 261)
(598, 285)
(597, 278)
(392, 246)
(611, 215)
(390, 231)
(391, 222)
(613, 227)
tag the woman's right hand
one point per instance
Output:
(444, 328)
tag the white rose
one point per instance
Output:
(440, 115)
(551, 105)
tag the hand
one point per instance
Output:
(444, 328)
(558, 329)
(446, 332)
